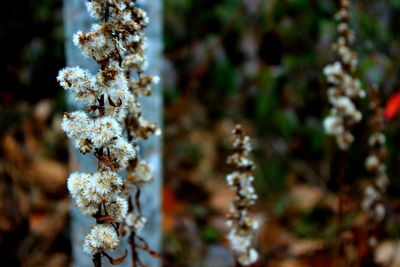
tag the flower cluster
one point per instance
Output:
(345, 88)
(111, 123)
(372, 202)
(134, 63)
(241, 180)
(102, 236)
(99, 190)
(131, 46)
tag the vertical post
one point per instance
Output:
(76, 18)
(151, 150)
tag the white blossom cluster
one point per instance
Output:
(373, 200)
(91, 191)
(135, 222)
(118, 46)
(132, 49)
(345, 88)
(371, 203)
(243, 227)
(101, 237)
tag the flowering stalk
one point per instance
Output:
(373, 201)
(345, 88)
(116, 44)
(139, 172)
(241, 180)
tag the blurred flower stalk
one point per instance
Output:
(373, 200)
(345, 87)
(242, 226)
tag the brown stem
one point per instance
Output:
(135, 257)
(137, 200)
(339, 250)
(97, 259)
(237, 263)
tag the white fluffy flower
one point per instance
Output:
(86, 206)
(134, 61)
(240, 161)
(333, 71)
(344, 140)
(77, 182)
(372, 163)
(81, 82)
(354, 117)
(118, 208)
(370, 196)
(239, 242)
(248, 192)
(101, 237)
(104, 129)
(345, 88)
(248, 257)
(117, 44)
(77, 125)
(122, 151)
(233, 178)
(96, 9)
(118, 89)
(345, 105)
(91, 190)
(333, 125)
(136, 222)
(94, 44)
(380, 212)
(377, 139)
(104, 183)
(143, 174)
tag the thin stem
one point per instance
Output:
(97, 259)
(339, 250)
(135, 257)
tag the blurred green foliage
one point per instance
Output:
(261, 62)
(33, 36)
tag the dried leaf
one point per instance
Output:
(119, 103)
(149, 250)
(93, 109)
(107, 162)
(117, 260)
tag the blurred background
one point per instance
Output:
(254, 62)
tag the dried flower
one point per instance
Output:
(373, 200)
(108, 101)
(243, 227)
(128, 50)
(100, 238)
(345, 88)
(135, 222)
(112, 122)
